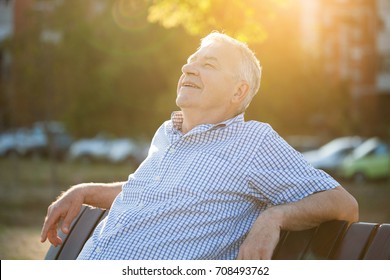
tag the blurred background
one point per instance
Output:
(85, 84)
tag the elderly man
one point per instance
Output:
(213, 185)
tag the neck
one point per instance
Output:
(192, 118)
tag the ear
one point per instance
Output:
(241, 92)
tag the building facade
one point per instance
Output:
(353, 38)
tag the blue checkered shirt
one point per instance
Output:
(197, 195)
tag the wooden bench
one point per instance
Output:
(333, 240)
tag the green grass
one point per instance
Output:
(21, 243)
(27, 187)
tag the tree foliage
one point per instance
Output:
(103, 75)
(245, 20)
(117, 62)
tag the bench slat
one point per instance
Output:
(54, 252)
(354, 243)
(89, 219)
(379, 248)
(294, 245)
(324, 240)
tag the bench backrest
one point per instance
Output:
(333, 240)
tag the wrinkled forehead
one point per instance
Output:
(218, 52)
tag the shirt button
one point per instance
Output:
(98, 250)
(172, 151)
(157, 178)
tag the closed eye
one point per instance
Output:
(209, 65)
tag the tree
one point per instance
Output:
(116, 66)
(245, 20)
(112, 70)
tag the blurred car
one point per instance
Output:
(42, 139)
(124, 150)
(330, 156)
(369, 161)
(21, 142)
(101, 148)
(91, 149)
(7, 143)
(55, 137)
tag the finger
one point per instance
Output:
(50, 224)
(44, 230)
(43, 233)
(68, 219)
(54, 238)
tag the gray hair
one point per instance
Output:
(250, 69)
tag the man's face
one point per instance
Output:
(209, 79)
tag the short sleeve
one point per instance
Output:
(279, 174)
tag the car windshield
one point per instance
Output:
(336, 146)
(366, 148)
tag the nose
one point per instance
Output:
(189, 68)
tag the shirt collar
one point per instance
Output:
(177, 119)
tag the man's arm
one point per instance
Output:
(334, 204)
(68, 205)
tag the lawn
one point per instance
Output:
(28, 186)
(21, 243)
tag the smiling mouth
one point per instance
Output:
(190, 85)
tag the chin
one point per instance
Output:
(181, 100)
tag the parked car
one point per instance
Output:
(124, 150)
(91, 149)
(330, 156)
(42, 139)
(55, 136)
(369, 161)
(7, 143)
(101, 148)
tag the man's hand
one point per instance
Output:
(261, 240)
(61, 212)
(309, 212)
(66, 208)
